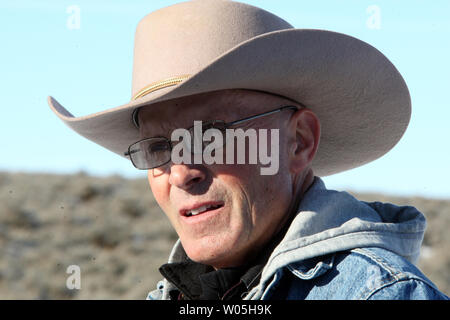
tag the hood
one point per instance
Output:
(329, 221)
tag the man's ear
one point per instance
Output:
(304, 133)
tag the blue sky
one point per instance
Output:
(88, 69)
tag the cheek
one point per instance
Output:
(262, 195)
(160, 189)
(249, 191)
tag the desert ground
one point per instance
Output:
(113, 230)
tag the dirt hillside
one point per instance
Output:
(113, 230)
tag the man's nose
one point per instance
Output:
(185, 177)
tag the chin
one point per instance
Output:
(210, 252)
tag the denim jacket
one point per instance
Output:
(338, 247)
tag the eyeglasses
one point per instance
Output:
(155, 152)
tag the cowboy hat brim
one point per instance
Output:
(360, 98)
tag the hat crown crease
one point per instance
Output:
(182, 39)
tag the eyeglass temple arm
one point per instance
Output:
(262, 115)
(128, 153)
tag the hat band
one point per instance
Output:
(160, 85)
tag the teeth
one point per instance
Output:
(199, 210)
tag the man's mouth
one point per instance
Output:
(201, 209)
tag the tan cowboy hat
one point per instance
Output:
(199, 46)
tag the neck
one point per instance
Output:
(301, 184)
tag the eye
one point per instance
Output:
(158, 147)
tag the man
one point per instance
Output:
(330, 103)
